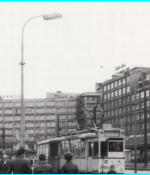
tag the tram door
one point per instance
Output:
(55, 161)
(90, 155)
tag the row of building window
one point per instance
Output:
(37, 118)
(117, 93)
(18, 104)
(40, 103)
(140, 140)
(37, 131)
(139, 95)
(116, 84)
(65, 103)
(87, 98)
(28, 111)
(139, 127)
(7, 147)
(127, 109)
(91, 105)
(124, 100)
(38, 125)
(131, 127)
(90, 121)
(128, 118)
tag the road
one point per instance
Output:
(138, 172)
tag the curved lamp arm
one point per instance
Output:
(22, 63)
(45, 17)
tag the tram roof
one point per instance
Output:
(84, 134)
(58, 139)
(70, 137)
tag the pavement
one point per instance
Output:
(138, 172)
(140, 166)
(129, 168)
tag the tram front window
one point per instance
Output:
(115, 146)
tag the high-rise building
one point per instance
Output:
(120, 105)
(40, 117)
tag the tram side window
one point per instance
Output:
(38, 151)
(54, 149)
(80, 148)
(115, 146)
(104, 149)
(77, 148)
(43, 149)
(83, 148)
(72, 147)
(46, 151)
(96, 147)
(59, 149)
(90, 149)
(64, 147)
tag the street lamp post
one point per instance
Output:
(3, 139)
(22, 132)
(135, 141)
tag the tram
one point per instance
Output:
(94, 150)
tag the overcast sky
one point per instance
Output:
(67, 54)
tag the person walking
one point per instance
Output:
(31, 164)
(42, 167)
(19, 165)
(69, 167)
(4, 164)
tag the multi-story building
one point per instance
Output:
(40, 117)
(120, 106)
(89, 110)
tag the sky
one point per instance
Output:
(73, 53)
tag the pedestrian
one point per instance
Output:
(42, 167)
(19, 165)
(69, 167)
(111, 170)
(31, 164)
(4, 164)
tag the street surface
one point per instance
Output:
(138, 172)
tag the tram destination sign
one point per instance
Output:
(112, 133)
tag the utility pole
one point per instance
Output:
(57, 126)
(3, 140)
(135, 140)
(145, 83)
(94, 117)
(66, 108)
(145, 131)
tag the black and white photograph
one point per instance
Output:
(75, 87)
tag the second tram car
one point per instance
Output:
(94, 150)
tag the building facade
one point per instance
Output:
(120, 104)
(89, 110)
(40, 120)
